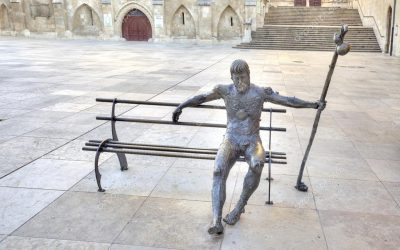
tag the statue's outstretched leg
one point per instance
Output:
(224, 161)
(251, 181)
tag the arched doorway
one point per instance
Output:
(388, 30)
(300, 2)
(136, 26)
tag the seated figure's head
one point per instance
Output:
(240, 75)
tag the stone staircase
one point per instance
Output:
(312, 28)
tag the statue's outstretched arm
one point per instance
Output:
(293, 102)
(196, 100)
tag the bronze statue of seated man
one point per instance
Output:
(244, 102)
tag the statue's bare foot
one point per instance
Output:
(216, 229)
(233, 216)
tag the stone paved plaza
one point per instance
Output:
(48, 193)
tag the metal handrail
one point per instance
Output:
(376, 24)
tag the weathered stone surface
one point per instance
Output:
(182, 226)
(269, 227)
(16, 242)
(357, 154)
(19, 205)
(48, 174)
(344, 230)
(83, 217)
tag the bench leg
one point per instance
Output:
(121, 156)
(96, 165)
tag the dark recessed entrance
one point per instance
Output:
(136, 26)
(300, 2)
(388, 30)
(315, 3)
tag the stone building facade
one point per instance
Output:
(206, 20)
(379, 15)
(170, 20)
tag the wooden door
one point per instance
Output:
(300, 2)
(136, 27)
(315, 3)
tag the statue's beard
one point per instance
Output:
(241, 88)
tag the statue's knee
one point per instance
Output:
(221, 172)
(257, 167)
(217, 172)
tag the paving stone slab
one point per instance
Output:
(27, 243)
(127, 247)
(379, 151)
(67, 107)
(394, 190)
(14, 127)
(322, 147)
(11, 163)
(265, 227)
(283, 193)
(41, 116)
(48, 174)
(344, 230)
(73, 152)
(140, 179)
(29, 147)
(386, 170)
(190, 184)
(340, 167)
(19, 205)
(81, 216)
(353, 196)
(174, 223)
(60, 131)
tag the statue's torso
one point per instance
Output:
(243, 110)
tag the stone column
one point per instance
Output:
(250, 8)
(159, 22)
(59, 17)
(205, 28)
(308, 3)
(17, 15)
(247, 32)
(107, 18)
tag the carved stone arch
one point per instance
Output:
(229, 25)
(5, 23)
(183, 24)
(125, 9)
(86, 21)
(92, 4)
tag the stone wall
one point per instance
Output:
(324, 3)
(377, 16)
(187, 20)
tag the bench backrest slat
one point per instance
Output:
(195, 124)
(168, 104)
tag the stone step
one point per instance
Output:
(299, 28)
(310, 43)
(305, 49)
(315, 16)
(309, 47)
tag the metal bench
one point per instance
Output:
(113, 145)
